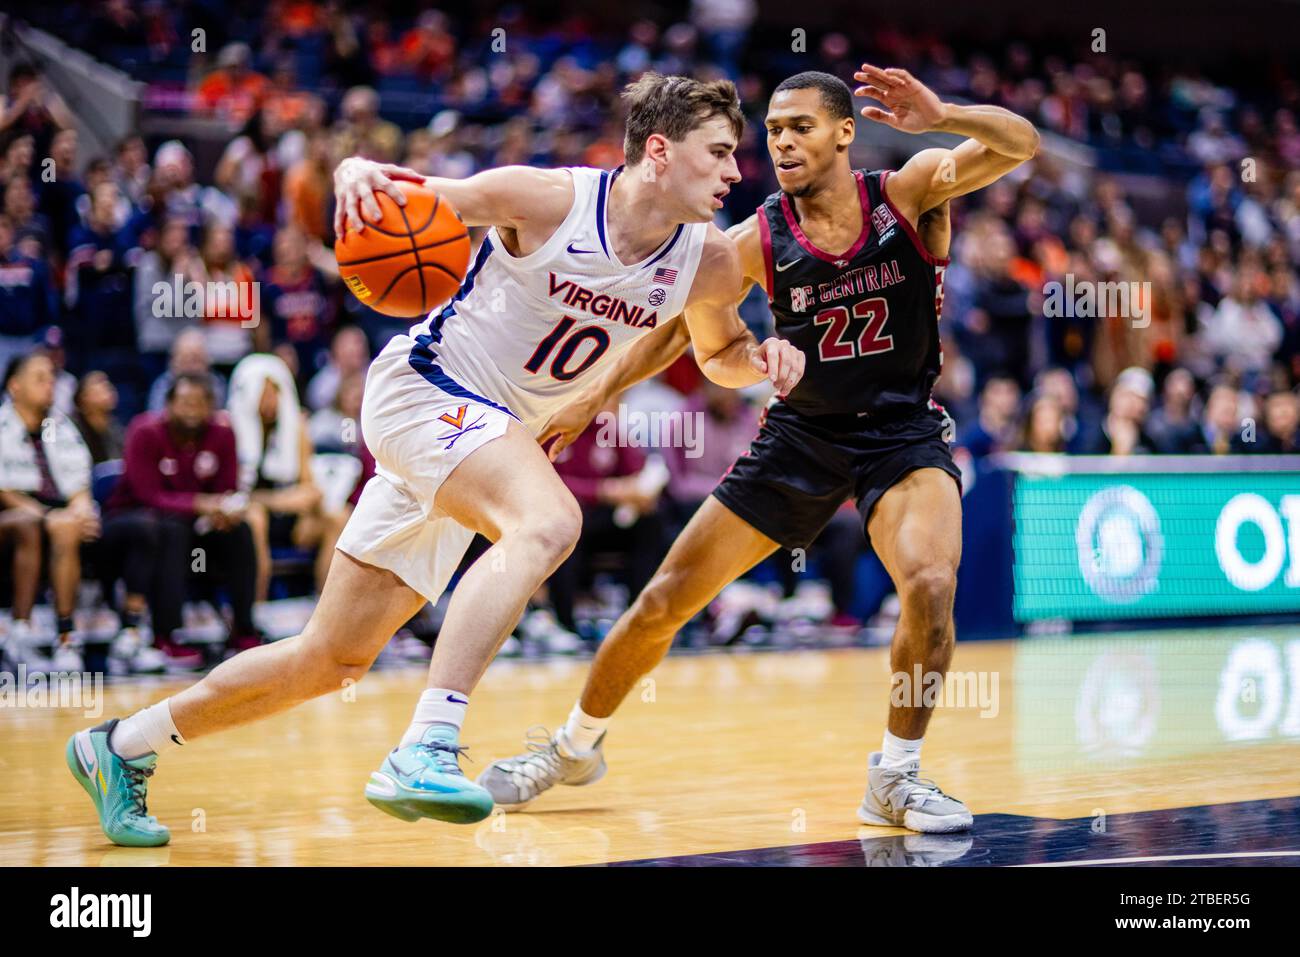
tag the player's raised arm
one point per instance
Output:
(725, 349)
(510, 196)
(999, 140)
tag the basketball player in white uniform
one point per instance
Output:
(577, 266)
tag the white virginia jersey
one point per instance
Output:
(523, 332)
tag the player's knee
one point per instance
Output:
(556, 532)
(346, 673)
(930, 589)
(330, 672)
(659, 608)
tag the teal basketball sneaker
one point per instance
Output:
(425, 780)
(117, 787)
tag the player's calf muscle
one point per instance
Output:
(265, 681)
(639, 640)
(255, 684)
(358, 611)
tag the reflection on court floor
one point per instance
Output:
(1168, 747)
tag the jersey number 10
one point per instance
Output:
(833, 346)
(564, 356)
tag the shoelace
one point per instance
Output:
(436, 750)
(922, 789)
(136, 786)
(540, 741)
(542, 762)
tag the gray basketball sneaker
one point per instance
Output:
(900, 798)
(515, 782)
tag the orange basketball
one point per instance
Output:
(412, 259)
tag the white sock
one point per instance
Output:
(582, 731)
(150, 730)
(897, 752)
(436, 706)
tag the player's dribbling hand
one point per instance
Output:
(781, 362)
(355, 183)
(911, 106)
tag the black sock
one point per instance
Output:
(65, 625)
(130, 619)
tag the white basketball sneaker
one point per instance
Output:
(515, 782)
(899, 797)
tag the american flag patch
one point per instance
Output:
(665, 276)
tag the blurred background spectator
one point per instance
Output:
(178, 496)
(45, 471)
(95, 403)
(286, 506)
(1179, 179)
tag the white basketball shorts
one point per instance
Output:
(419, 423)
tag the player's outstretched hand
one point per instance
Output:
(781, 362)
(566, 425)
(911, 106)
(355, 183)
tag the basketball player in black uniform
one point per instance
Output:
(852, 262)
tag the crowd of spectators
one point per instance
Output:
(225, 427)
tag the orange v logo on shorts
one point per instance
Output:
(455, 421)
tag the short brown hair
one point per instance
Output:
(673, 106)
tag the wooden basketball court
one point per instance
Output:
(1160, 745)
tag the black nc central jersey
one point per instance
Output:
(867, 320)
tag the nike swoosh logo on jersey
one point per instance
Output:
(572, 250)
(782, 267)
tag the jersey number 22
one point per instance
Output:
(833, 346)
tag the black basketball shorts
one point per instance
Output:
(800, 469)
